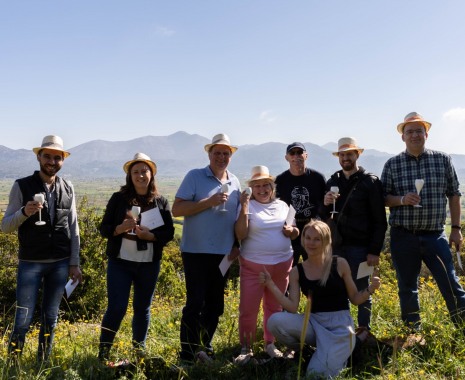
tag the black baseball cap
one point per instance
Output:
(295, 145)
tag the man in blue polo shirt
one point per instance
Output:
(208, 198)
(417, 220)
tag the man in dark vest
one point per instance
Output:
(42, 208)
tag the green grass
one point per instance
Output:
(75, 350)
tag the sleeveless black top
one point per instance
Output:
(331, 297)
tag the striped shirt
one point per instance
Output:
(441, 181)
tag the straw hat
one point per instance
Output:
(52, 142)
(260, 172)
(413, 117)
(141, 157)
(220, 139)
(347, 143)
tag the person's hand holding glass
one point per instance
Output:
(224, 190)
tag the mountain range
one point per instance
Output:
(178, 153)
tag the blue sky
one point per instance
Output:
(260, 71)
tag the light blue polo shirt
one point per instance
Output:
(212, 230)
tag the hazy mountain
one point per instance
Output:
(177, 153)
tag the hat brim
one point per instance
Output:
(209, 146)
(38, 149)
(359, 150)
(427, 125)
(151, 164)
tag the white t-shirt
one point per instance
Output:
(129, 252)
(265, 242)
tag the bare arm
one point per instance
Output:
(290, 303)
(241, 227)
(355, 296)
(455, 237)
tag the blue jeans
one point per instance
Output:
(121, 275)
(408, 251)
(354, 256)
(31, 277)
(204, 302)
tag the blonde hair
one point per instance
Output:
(325, 235)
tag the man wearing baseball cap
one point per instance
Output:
(304, 189)
(417, 219)
(42, 208)
(360, 218)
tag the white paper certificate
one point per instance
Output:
(69, 287)
(290, 216)
(364, 270)
(151, 218)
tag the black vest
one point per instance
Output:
(47, 241)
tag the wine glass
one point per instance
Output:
(335, 190)
(248, 191)
(224, 189)
(40, 199)
(135, 212)
(419, 185)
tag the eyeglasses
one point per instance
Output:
(411, 132)
(298, 152)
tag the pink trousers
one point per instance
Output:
(252, 292)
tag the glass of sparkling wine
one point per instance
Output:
(40, 199)
(135, 212)
(335, 190)
(419, 185)
(224, 189)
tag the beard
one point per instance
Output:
(348, 165)
(50, 170)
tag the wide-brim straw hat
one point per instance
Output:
(141, 157)
(260, 172)
(413, 117)
(52, 142)
(347, 143)
(221, 139)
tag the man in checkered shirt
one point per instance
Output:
(417, 220)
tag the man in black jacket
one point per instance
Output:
(42, 208)
(360, 216)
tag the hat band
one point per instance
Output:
(260, 175)
(45, 145)
(348, 146)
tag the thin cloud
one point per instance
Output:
(456, 115)
(267, 117)
(164, 31)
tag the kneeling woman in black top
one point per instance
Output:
(328, 282)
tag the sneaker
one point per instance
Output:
(272, 351)
(203, 357)
(244, 357)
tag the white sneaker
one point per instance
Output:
(272, 351)
(203, 357)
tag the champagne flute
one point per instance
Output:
(135, 212)
(224, 189)
(335, 190)
(419, 185)
(248, 191)
(40, 199)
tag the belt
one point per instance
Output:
(417, 232)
